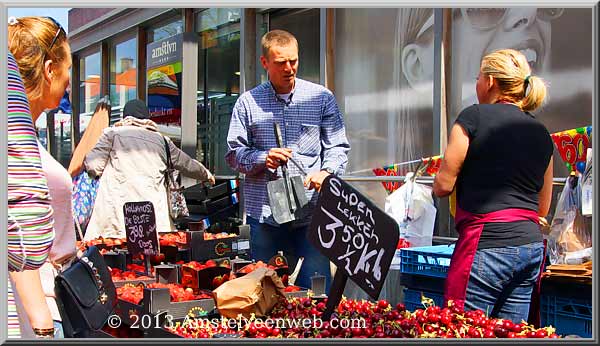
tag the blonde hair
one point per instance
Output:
(278, 38)
(510, 68)
(29, 40)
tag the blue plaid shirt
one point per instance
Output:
(311, 125)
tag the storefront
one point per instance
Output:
(397, 88)
(400, 76)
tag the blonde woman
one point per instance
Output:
(499, 158)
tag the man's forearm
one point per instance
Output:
(335, 159)
(247, 160)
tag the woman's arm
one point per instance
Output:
(188, 166)
(95, 128)
(455, 154)
(95, 161)
(28, 286)
(545, 197)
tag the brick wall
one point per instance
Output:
(78, 17)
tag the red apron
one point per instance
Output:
(469, 227)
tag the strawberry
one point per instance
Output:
(217, 281)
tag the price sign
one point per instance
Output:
(140, 227)
(354, 234)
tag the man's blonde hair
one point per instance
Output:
(510, 68)
(277, 38)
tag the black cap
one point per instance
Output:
(136, 108)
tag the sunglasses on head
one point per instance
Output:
(489, 18)
(58, 30)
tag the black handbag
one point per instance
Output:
(85, 294)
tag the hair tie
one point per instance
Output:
(527, 79)
(12, 20)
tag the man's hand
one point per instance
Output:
(315, 179)
(277, 156)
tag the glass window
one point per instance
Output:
(384, 88)
(89, 87)
(61, 142)
(161, 31)
(218, 83)
(558, 44)
(304, 25)
(123, 73)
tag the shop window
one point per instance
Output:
(89, 87)
(123, 73)
(218, 83)
(387, 109)
(169, 29)
(304, 25)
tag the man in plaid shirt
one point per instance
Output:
(313, 135)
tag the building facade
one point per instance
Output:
(400, 75)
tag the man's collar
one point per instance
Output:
(291, 93)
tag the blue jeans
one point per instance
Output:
(266, 240)
(502, 280)
(58, 334)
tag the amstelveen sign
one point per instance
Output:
(164, 52)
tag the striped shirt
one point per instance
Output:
(30, 216)
(14, 329)
(311, 125)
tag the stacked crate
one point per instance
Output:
(424, 272)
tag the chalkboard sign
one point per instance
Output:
(354, 234)
(140, 227)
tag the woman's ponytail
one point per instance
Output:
(534, 89)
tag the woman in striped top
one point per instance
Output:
(40, 47)
(30, 217)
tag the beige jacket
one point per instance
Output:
(131, 160)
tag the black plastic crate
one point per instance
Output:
(202, 191)
(211, 206)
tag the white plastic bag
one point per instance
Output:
(586, 186)
(412, 208)
(570, 231)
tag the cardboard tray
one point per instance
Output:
(175, 254)
(134, 282)
(202, 279)
(202, 250)
(298, 294)
(116, 259)
(168, 273)
(158, 301)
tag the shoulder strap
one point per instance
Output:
(169, 163)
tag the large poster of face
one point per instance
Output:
(384, 88)
(558, 45)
